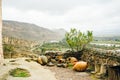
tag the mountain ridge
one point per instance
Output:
(29, 31)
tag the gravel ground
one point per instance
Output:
(68, 74)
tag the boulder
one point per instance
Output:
(53, 60)
(42, 60)
(39, 60)
(59, 65)
(50, 64)
(64, 65)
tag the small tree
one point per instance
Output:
(78, 40)
(9, 49)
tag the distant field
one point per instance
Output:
(107, 42)
(109, 45)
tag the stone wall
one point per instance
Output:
(105, 62)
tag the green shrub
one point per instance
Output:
(19, 72)
(70, 65)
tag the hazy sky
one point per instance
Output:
(93, 15)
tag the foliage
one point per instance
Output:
(19, 72)
(70, 66)
(78, 40)
(8, 48)
(53, 46)
(63, 43)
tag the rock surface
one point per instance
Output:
(36, 70)
(39, 72)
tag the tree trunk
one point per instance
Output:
(1, 48)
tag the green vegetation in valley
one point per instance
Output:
(113, 47)
(55, 46)
(106, 41)
(14, 47)
(106, 45)
(8, 48)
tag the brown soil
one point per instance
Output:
(68, 74)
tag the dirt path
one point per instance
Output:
(69, 74)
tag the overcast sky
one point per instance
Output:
(96, 15)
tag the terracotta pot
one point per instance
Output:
(80, 66)
(72, 60)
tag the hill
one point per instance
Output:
(29, 31)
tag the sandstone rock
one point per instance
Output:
(64, 65)
(39, 60)
(42, 60)
(59, 65)
(50, 64)
(53, 60)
